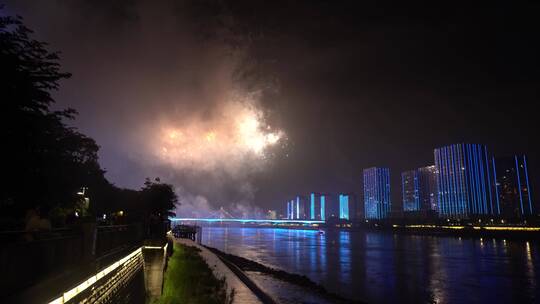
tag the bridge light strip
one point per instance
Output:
(245, 220)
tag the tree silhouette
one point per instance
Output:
(158, 199)
(46, 162)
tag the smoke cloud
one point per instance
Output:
(231, 137)
(161, 97)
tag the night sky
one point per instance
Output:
(345, 86)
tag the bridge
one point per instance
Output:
(223, 216)
(247, 221)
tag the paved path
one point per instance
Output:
(242, 294)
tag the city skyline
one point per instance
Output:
(462, 184)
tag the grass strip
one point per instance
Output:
(189, 280)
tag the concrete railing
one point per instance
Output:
(133, 277)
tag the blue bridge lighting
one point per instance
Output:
(216, 220)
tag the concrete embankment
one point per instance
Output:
(285, 287)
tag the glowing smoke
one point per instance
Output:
(236, 136)
(212, 153)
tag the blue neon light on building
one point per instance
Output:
(297, 207)
(377, 203)
(465, 181)
(512, 191)
(323, 203)
(289, 210)
(496, 186)
(312, 206)
(410, 190)
(420, 189)
(316, 206)
(344, 206)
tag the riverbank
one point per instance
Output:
(238, 291)
(188, 279)
(301, 281)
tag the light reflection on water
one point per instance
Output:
(381, 267)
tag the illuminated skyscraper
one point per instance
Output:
(410, 189)
(377, 203)
(331, 210)
(419, 189)
(312, 206)
(301, 208)
(292, 208)
(465, 181)
(289, 212)
(347, 206)
(324, 199)
(344, 207)
(428, 188)
(512, 192)
(317, 205)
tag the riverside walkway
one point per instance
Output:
(242, 294)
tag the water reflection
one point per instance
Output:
(380, 267)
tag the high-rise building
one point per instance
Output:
(301, 208)
(465, 181)
(419, 191)
(331, 210)
(347, 206)
(344, 207)
(428, 188)
(377, 203)
(312, 206)
(410, 190)
(293, 209)
(323, 201)
(289, 212)
(317, 205)
(512, 191)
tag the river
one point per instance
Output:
(382, 267)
